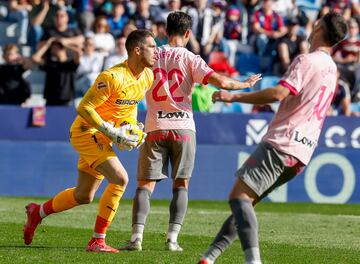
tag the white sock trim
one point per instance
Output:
(136, 236)
(42, 212)
(99, 235)
(252, 255)
(173, 232)
(137, 232)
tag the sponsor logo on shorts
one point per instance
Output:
(304, 140)
(126, 102)
(168, 136)
(170, 115)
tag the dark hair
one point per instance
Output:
(57, 44)
(178, 23)
(10, 47)
(335, 28)
(137, 38)
(98, 20)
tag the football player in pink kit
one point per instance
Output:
(170, 127)
(305, 92)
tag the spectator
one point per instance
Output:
(289, 46)
(128, 28)
(171, 6)
(67, 36)
(347, 54)
(19, 13)
(232, 32)
(268, 27)
(102, 7)
(355, 10)
(160, 34)
(293, 11)
(119, 55)
(90, 66)
(118, 19)
(104, 41)
(220, 64)
(202, 18)
(232, 27)
(84, 14)
(59, 69)
(339, 6)
(42, 19)
(144, 15)
(13, 88)
(355, 92)
(247, 9)
(202, 98)
(301, 16)
(282, 7)
(342, 99)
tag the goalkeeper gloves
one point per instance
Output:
(141, 127)
(121, 135)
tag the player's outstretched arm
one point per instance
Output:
(266, 96)
(227, 83)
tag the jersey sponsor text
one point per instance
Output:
(178, 115)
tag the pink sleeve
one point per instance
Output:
(200, 70)
(297, 74)
(292, 89)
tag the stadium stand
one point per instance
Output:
(269, 81)
(7, 32)
(310, 7)
(247, 63)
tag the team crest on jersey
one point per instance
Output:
(101, 85)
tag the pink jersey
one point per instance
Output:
(169, 100)
(296, 127)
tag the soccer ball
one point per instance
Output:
(137, 131)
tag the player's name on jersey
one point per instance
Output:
(167, 54)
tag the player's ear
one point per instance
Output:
(188, 33)
(137, 50)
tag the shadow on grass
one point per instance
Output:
(41, 247)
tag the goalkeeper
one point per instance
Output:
(112, 98)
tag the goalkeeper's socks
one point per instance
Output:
(46, 209)
(109, 201)
(101, 226)
(61, 202)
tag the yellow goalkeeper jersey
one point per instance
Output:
(113, 96)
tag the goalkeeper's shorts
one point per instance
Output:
(94, 148)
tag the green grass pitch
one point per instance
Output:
(294, 233)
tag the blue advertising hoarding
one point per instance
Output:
(41, 162)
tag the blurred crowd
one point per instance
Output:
(72, 41)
